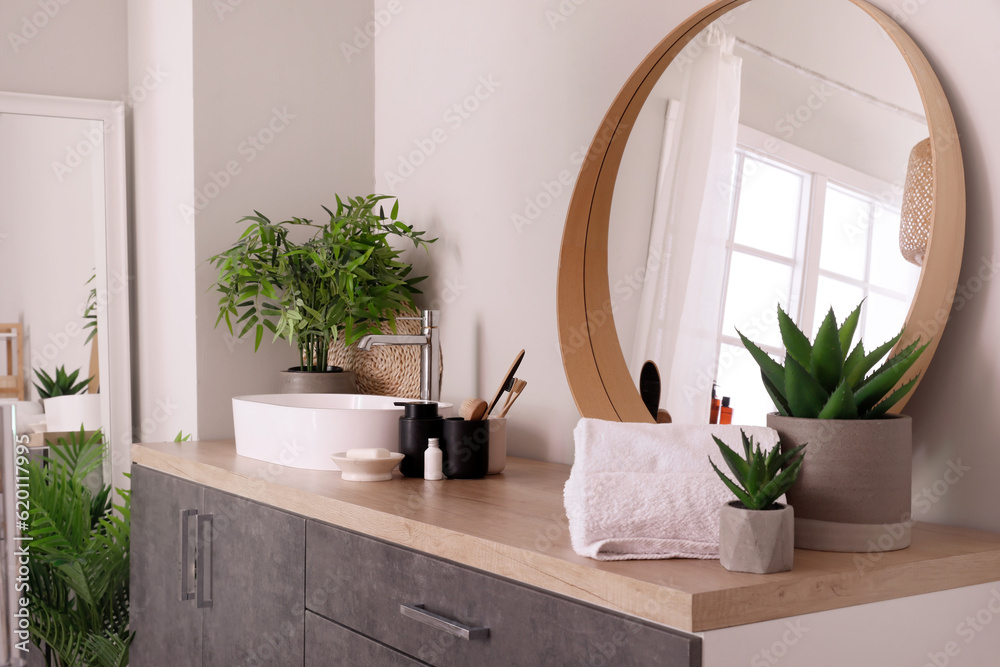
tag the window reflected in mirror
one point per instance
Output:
(767, 166)
(786, 248)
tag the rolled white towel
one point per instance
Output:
(643, 491)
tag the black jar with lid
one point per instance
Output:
(420, 421)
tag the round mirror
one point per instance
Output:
(766, 152)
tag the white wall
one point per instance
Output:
(555, 68)
(76, 49)
(163, 342)
(47, 238)
(279, 104)
(251, 106)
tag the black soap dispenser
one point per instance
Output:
(420, 421)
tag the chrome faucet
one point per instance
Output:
(430, 351)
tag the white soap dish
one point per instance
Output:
(367, 465)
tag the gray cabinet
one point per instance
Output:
(257, 615)
(221, 580)
(329, 644)
(216, 579)
(452, 616)
(168, 629)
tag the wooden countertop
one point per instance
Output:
(514, 525)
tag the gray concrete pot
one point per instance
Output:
(758, 541)
(853, 490)
(294, 381)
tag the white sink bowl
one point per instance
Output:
(305, 430)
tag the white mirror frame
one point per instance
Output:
(595, 367)
(111, 264)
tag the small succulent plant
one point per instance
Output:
(63, 384)
(761, 478)
(827, 379)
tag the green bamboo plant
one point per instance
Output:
(761, 478)
(78, 573)
(827, 379)
(345, 276)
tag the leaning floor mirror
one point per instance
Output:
(64, 301)
(799, 153)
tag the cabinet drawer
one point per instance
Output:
(364, 584)
(332, 645)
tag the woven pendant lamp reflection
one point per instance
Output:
(918, 204)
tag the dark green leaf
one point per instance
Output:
(841, 404)
(847, 329)
(827, 360)
(768, 366)
(795, 342)
(805, 395)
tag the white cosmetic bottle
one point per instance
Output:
(433, 459)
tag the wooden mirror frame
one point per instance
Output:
(595, 367)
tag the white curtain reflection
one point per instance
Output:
(682, 293)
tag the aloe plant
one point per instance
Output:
(63, 384)
(761, 478)
(827, 379)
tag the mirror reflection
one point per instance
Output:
(53, 193)
(767, 167)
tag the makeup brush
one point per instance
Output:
(508, 382)
(472, 409)
(515, 391)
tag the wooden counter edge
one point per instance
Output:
(772, 598)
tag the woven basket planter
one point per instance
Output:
(385, 370)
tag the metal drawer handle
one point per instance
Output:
(186, 565)
(203, 561)
(418, 613)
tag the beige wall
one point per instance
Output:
(485, 178)
(283, 120)
(259, 109)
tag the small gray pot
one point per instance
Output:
(757, 541)
(317, 382)
(853, 490)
